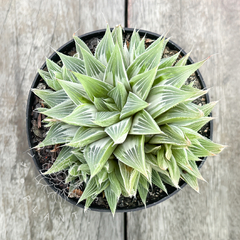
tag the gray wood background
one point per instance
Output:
(28, 30)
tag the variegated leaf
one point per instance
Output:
(80, 44)
(156, 179)
(51, 82)
(105, 119)
(169, 61)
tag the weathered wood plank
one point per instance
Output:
(28, 29)
(209, 27)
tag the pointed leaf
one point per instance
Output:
(141, 84)
(105, 119)
(144, 124)
(190, 180)
(83, 115)
(97, 153)
(52, 68)
(93, 87)
(151, 148)
(161, 159)
(174, 171)
(156, 179)
(81, 44)
(75, 91)
(143, 193)
(211, 146)
(134, 104)
(119, 95)
(112, 199)
(85, 136)
(169, 61)
(207, 108)
(162, 98)
(131, 153)
(51, 82)
(119, 131)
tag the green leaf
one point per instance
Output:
(130, 176)
(211, 146)
(93, 87)
(93, 67)
(51, 82)
(131, 153)
(72, 63)
(194, 124)
(115, 185)
(181, 157)
(61, 110)
(52, 68)
(73, 170)
(119, 95)
(83, 115)
(162, 98)
(168, 151)
(112, 199)
(135, 40)
(119, 131)
(80, 44)
(146, 61)
(105, 119)
(174, 171)
(207, 108)
(134, 104)
(75, 91)
(85, 136)
(183, 60)
(196, 93)
(102, 176)
(143, 193)
(156, 179)
(161, 159)
(151, 148)
(141, 84)
(63, 161)
(50, 97)
(181, 112)
(144, 124)
(79, 155)
(92, 189)
(57, 134)
(176, 76)
(169, 61)
(97, 153)
(190, 180)
(173, 135)
(115, 71)
(140, 47)
(198, 150)
(105, 47)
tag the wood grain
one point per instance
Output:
(28, 31)
(210, 27)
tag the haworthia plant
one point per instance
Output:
(125, 118)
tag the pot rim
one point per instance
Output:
(87, 36)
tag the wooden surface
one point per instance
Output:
(28, 28)
(210, 27)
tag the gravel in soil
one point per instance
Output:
(47, 155)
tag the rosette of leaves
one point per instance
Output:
(125, 118)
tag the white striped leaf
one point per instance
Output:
(130, 176)
(142, 83)
(93, 67)
(83, 115)
(85, 136)
(80, 44)
(92, 189)
(79, 155)
(105, 119)
(181, 157)
(119, 95)
(211, 146)
(93, 87)
(105, 47)
(135, 40)
(198, 150)
(73, 170)
(140, 47)
(183, 60)
(173, 135)
(134, 104)
(161, 159)
(52, 68)
(142, 193)
(181, 112)
(57, 134)
(63, 161)
(144, 124)
(194, 124)
(190, 180)
(75, 91)
(50, 97)
(169, 61)
(131, 153)
(162, 98)
(115, 185)
(112, 199)
(174, 171)
(97, 153)
(51, 82)
(156, 179)
(207, 108)
(196, 93)
(61, 110)
(102, 176)
(151, 148)
(115, 71)
(176, 76)
(146, 61)
(119, 131)
(72, 63)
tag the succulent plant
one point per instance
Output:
(124, 118)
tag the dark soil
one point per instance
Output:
(47, 155)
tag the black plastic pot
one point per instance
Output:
(68, 47)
